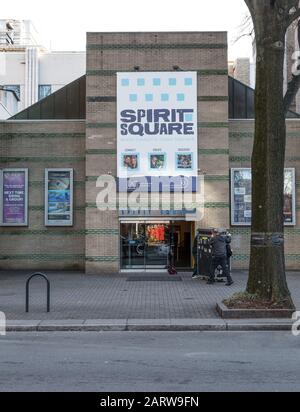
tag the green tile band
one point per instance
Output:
(212, 98)
(8, 136)
(240, 158)
(208, 72)
(250, 135)
(102, 259)
(42, 184)
(211, 152)
(207, 205)
(38, 208)
(248, 158)
(207, 152)
(246, 231)
(244, 257)
(57, 159)
(216, 177)
(101, 152)
(206, 177)
(157, 46)
(43, 257)
(57, 232)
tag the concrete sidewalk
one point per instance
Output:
(126, 302)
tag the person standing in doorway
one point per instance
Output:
(219, 243)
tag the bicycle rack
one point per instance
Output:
(48, 290)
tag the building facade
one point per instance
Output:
(29, 68)
(58, 137)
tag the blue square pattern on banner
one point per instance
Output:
(180, 97)
(149, 97)
(133, 97)
(156, 82)
(141, 82)
(172, 82)
(188, 117)
(165, 97)
(125, 82)
(188, 81)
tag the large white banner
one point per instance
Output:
(157, 125)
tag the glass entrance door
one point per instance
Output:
(144, 245)
(147, 245)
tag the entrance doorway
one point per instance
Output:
(146, 245)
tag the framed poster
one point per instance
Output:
(289, 208)
(241, 197)
(14, 197)
(157, 129)
(59, 197)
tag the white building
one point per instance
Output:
(9, 102)
(29, 69)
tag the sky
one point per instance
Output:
(62, 24)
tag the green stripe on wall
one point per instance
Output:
(207, 205)
(102, 259)
(42, 184)
(39, 208)
(43, 257)
(244, 257)
(212, 98)
(54, 232)
(207, 152)
(240, 158)
(111, 232)
(157, 46)
(206, 177)
(40, 159)
(208, 72)
(248, 158)
(250, 135)
(211, 152)
(289, 231)
(8, 136)
(101, 152)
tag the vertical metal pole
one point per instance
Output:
(48, 296)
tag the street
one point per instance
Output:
(149, 361)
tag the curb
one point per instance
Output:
(150, 325)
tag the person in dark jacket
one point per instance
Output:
(220, 244)
(195, 256)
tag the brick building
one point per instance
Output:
(75, 128)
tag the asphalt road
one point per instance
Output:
(149, 361)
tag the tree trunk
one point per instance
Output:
(267, 278)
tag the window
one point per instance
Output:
(58, 197)
(16, 88)
(241, 197)
(14, 197)
(44, 91)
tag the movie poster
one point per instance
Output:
(241, 197)
(14, 197)
(59, 197)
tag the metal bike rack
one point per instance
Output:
(48, 290)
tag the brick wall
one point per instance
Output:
(108, 53)
(241, 133)
(37, 145)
